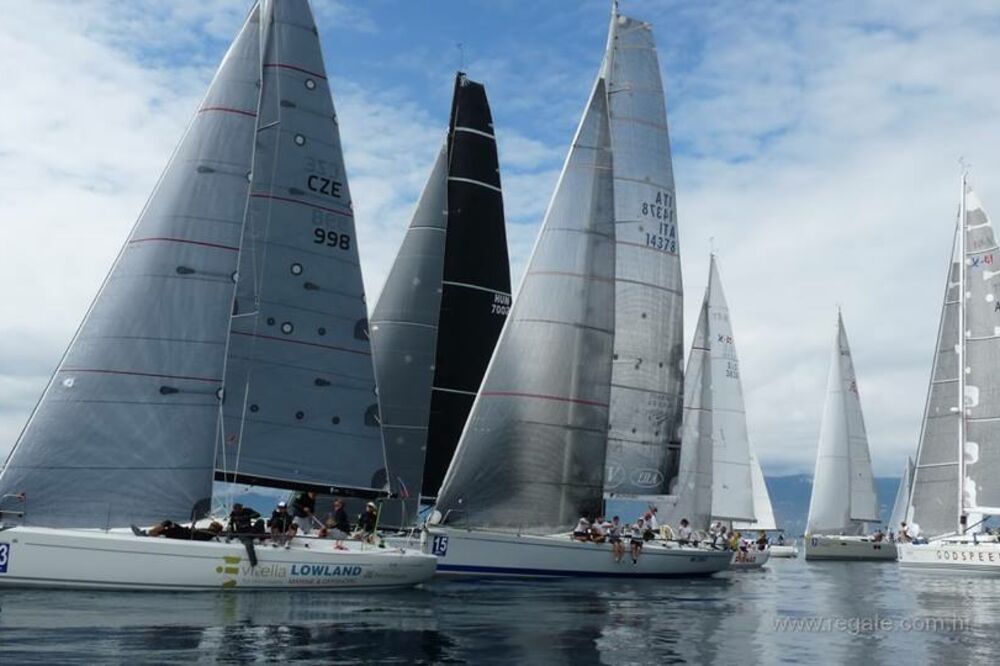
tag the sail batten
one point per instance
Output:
(124, 431)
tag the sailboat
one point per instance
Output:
(763, 511)
(901, 503)
(843, 494)
(446, 298)
(717, 476)
(531, 459)
(956, 480)
(228, 340)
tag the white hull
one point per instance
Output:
(751, 559)
(62, 558)
(952, 555)
(481, 553)
(783, 551)
(833, 547)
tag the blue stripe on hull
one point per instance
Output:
(554, 573)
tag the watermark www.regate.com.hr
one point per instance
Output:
(868, 625)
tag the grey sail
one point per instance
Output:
(900, 506)
(934, 498)
(981, 453)
(532, 454)
(647, 381)
(715, 480)
(843, 492)
(404, 337)
(300, 406)
(124, 431)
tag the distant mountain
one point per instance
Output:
(790, 499)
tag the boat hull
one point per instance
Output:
(784, 551)
(481, 553)
(833, 547)
(751, 559)
(63, 558)
(947, 556)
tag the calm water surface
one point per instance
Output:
(866, 613)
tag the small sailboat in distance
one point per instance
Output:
(901, 503)
(843, 494)
(956, 480)
(228, 340)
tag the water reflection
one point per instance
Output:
(732, 618)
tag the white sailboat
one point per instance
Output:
(843, 493)
(531, 459)
(901, 503)
(956, 480)
(717, 479)
(228, 340)
(764, 512)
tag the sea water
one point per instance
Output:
(791, 612)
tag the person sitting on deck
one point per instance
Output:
(337, 526)
(367, 522)
(879, 536)
(282, 526)
(597, 534)
(303, 508)
(245, 521)
(649, 526)
(721, 540)
(684, 532)
(614, 532)
(762, 540)
(781, 538)
(582, 530)
(904, 533)
(171, 530)
(636, 539)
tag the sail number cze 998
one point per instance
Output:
(661, 208)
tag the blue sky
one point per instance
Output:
(816, 142)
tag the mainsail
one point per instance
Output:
(900, 506)
(124, 431)
(647, 380)
(715, 480)
(532, 453)
(843, 461)
(475, 288)
(300, 408)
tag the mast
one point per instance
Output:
(961, 355)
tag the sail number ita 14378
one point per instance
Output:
(661, 209)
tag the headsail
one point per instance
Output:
(647, 381)
(715, 425)
(901, 505)
(124, 432)
(934, 498)
(531, 456)
(843, 461)
(404, 338)
(475, 293)
(301, 409)
(762, 510)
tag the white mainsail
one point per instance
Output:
(901, 505)
(647, 380)
(716, 457)
(763, 511)
(843, 461)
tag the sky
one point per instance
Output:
(816, 146)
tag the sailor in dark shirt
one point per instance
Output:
(367, 521)
(241, 519)
(337, 525)
(282, 526)
(303, 508)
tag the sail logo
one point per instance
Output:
(647, 478)
(326, 186)
(4, 557)
(616, 475)
(980, 262)
(501, 304)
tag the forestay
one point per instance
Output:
(647, 380)
(532, 454)
(124, 431)
(843, 461)
(301, 408)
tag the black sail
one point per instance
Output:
(475, 295)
